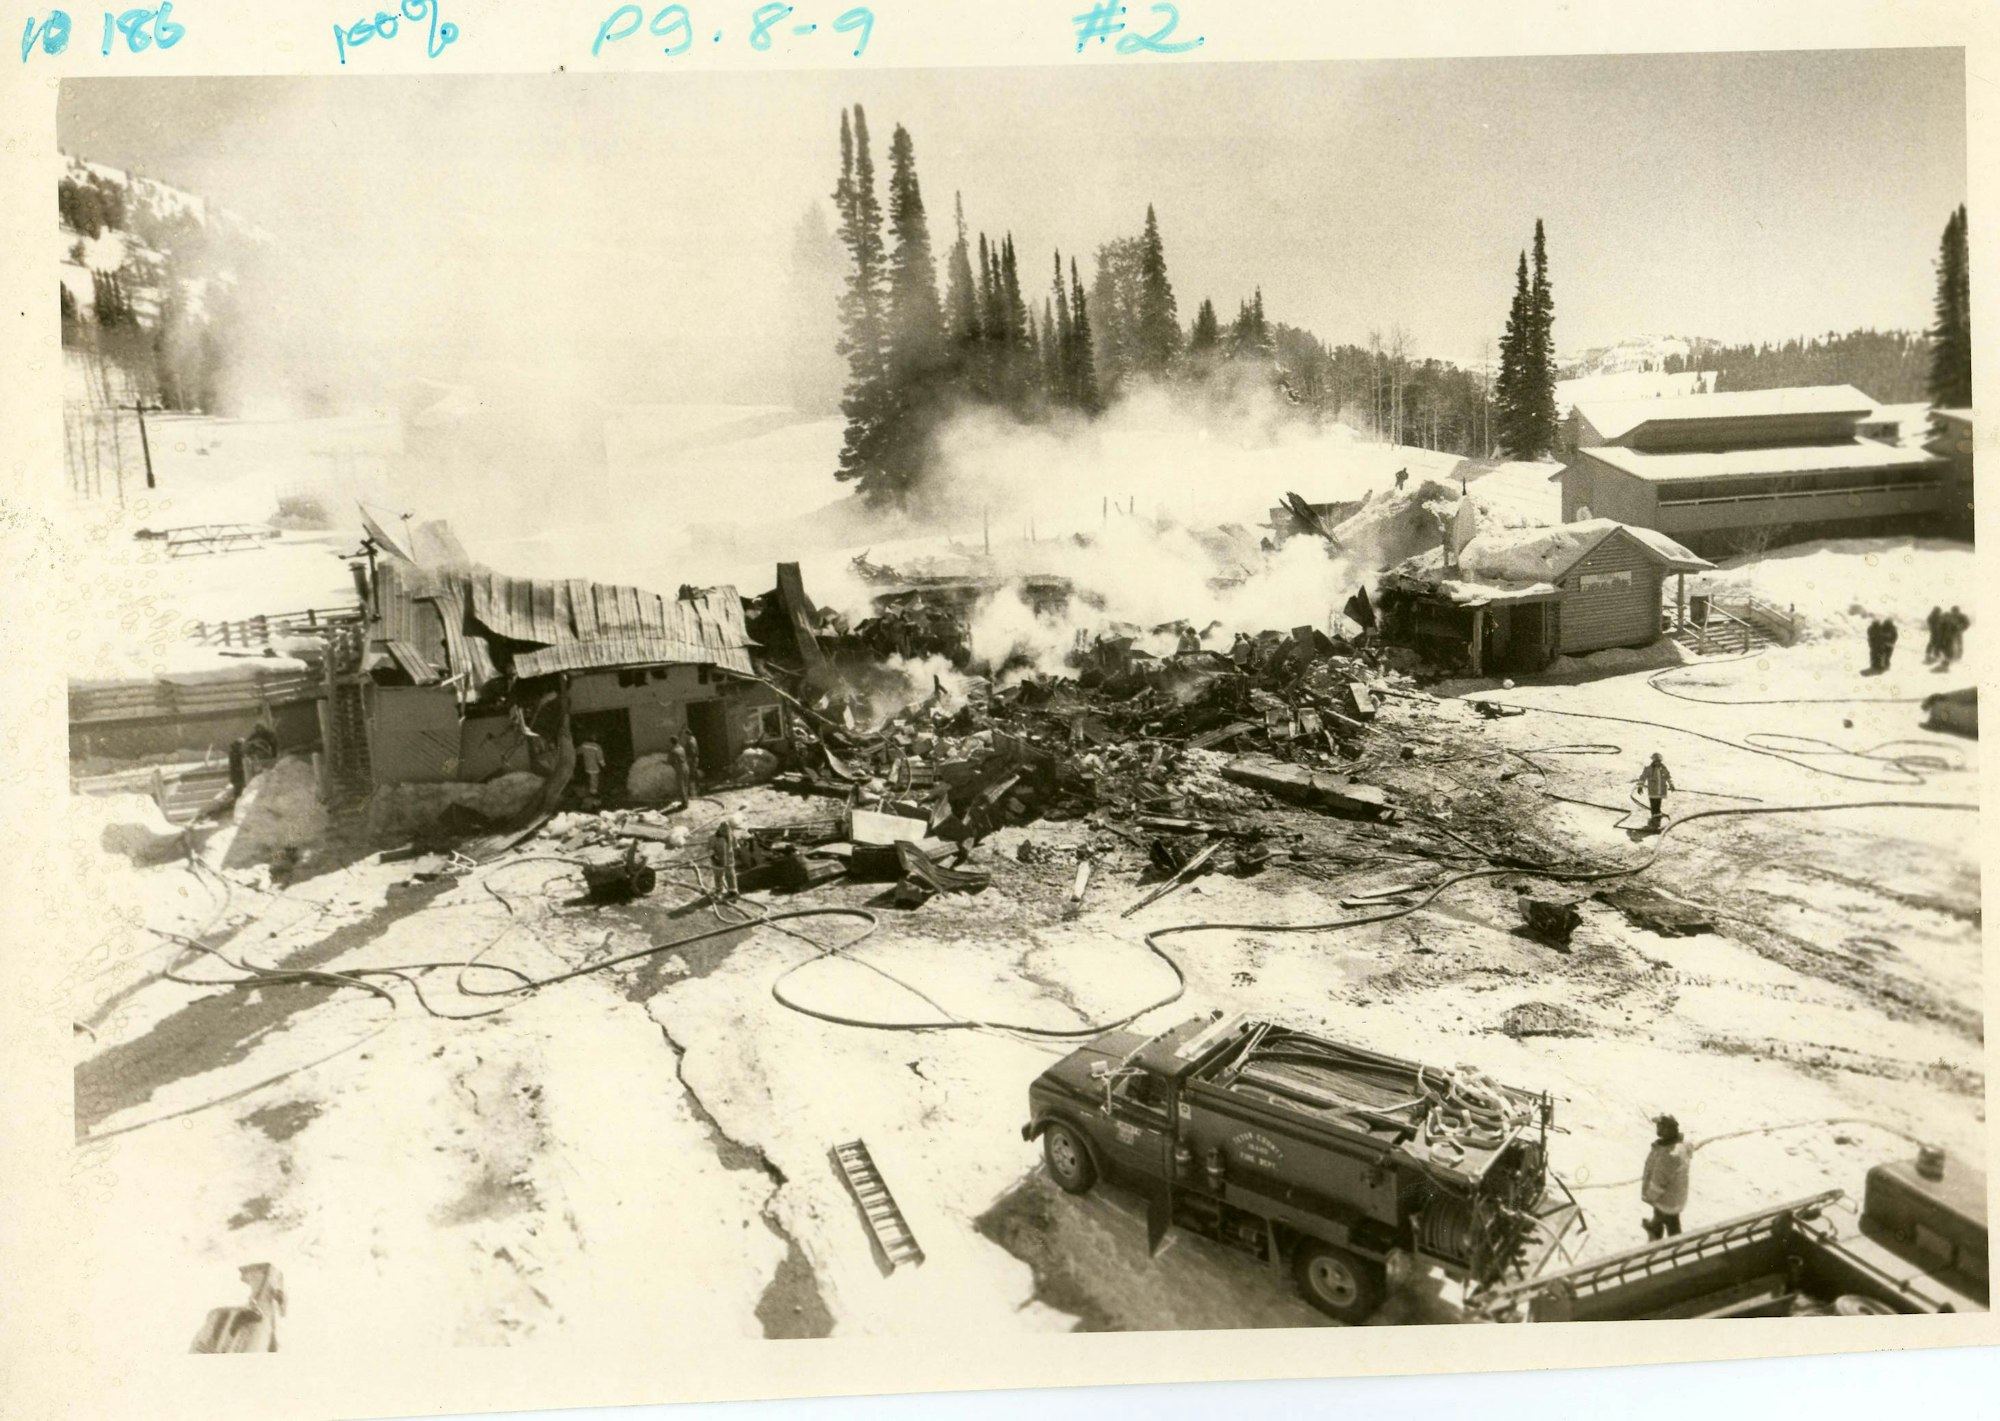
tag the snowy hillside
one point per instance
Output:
(1632, 354)
(147, 275)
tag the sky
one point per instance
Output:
(632, 232)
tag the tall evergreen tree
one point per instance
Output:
(1509, 396)
(961, 293)
(1086, 395)
(1206, 334)
(1539, 388)
(915, 326)
(1159, 328)
(1951, 338)
(1062, 383)
(1050, 354)
(867, 401)
(914, 342)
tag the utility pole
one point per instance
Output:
(145, 445)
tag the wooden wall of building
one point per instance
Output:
(1611, 598)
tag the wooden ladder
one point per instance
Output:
(878, 1205)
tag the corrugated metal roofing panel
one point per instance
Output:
(582, 609)
(413, 662)
(628, 651)
(567, 624)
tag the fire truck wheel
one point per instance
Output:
(1068, 1158)
(1346, 1288)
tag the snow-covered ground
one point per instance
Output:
(643, 1152)
(1839, 585)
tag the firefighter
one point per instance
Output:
(724, 854)
(677, 756)
(590, 759)
(1888, 641)
(1656, 781)
(1402, 477)
(1664, 1183)
(1190, 642)
(692, 748)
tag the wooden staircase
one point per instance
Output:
(878, 1205)
(349, 774)
(1737, 628)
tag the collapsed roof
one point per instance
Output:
(458, 622)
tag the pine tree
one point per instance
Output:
(1205, 335)
(1951, 338)
(1539, 388)
(915, 327)
(866, 401)
(1509, 398)
(1085, 392)
(914, 353)
(1050, 354)
(1062, 384)
(1158, 325)
(961, 296)
(1016, 363)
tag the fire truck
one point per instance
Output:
(1323, 1158)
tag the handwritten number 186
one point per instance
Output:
(142, 30)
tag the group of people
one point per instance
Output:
(1947, 641)
(683, 755)
(1882, 644)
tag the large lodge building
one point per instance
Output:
(1721, 473)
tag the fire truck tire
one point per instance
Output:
(1346, 1288)
(1068, 1159)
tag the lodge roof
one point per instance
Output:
(1858, 456)
(1614, 419)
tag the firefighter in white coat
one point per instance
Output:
(1655, 781)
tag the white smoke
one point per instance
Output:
(1158, 514)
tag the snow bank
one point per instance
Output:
(1837, 586)
(651, 780)
(396, 811)
(278, 812)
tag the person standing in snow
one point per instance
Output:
(677, 756)
(590, 759)
(1888, 641)
(1664, 1182)
(1955, 623)
(725, 857)
(1874, 648)
(1656, 782)
(1934, 648)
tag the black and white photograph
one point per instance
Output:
(989, 702)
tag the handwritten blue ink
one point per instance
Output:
(1156, 42)
(385, 25)
(761, 21)
(53, 34)
(675, 24)
(1100, 23)
(859, 18)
